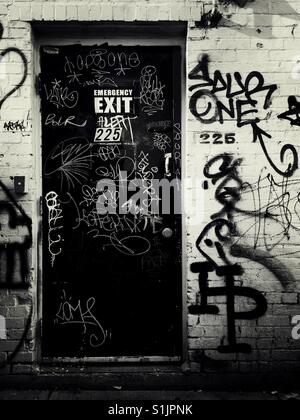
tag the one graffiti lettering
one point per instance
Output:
(241, 106)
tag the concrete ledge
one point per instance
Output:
(142, 395)
(153, 381)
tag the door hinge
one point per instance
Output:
(38, 84)
(41, 206)
(41, 328)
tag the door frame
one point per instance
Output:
(163, 34)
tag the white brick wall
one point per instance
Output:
(272, 53)
(263, 37)
(108, 10)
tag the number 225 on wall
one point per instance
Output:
(217, 138)
(108, 135)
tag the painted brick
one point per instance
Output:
(95, 12)
(72, 12)
(60, 12)
(48, 12)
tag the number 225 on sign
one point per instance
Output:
(108, 135)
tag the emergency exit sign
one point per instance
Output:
(114, 101)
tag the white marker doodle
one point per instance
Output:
(71, 159)
(82, 315)
(61, 97)
(54, 216)
(152, 95)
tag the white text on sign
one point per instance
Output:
(113, 102)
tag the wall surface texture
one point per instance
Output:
(241, 152)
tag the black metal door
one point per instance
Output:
(112, 277)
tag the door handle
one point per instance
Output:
(168, 158)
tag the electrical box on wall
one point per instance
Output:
(20, 185)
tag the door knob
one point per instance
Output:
(167, 233)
